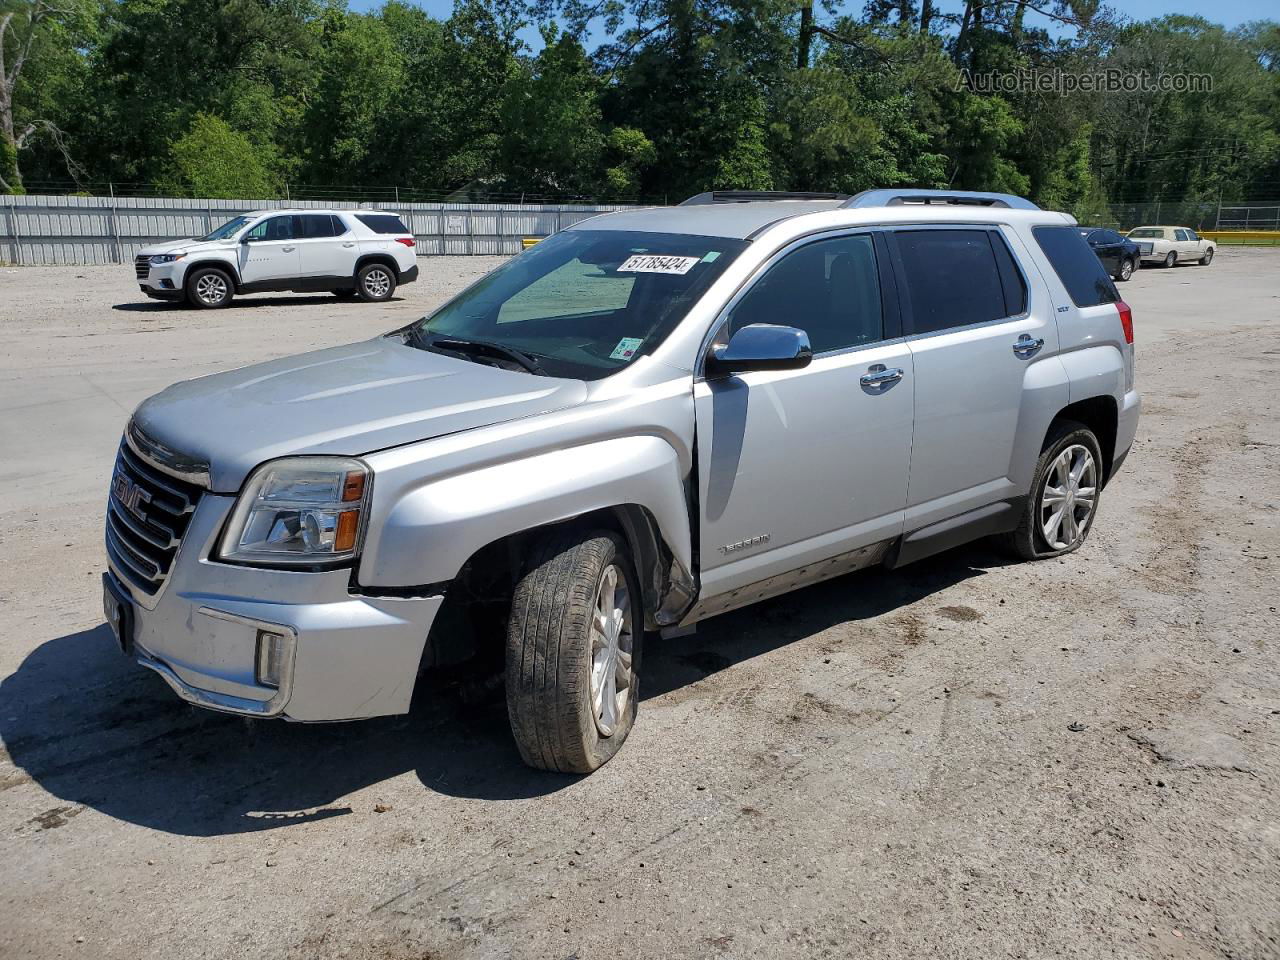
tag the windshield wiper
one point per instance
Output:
(482, 347)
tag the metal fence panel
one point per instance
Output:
(49, 230)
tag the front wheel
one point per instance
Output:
(375, 282)
(1126, 269)
(1207, 258)
(1170, 259)
(1059, 513)
(209, 288)
(573, 652)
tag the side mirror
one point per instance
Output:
(760, 346)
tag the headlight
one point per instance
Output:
(298, 512)
(167, 257)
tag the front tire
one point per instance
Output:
(573, 652)
(1126, 269)
(375, 282)
(210, 288)
(1059, 513)
(1207, 258)
(1170, 259)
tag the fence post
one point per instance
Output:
(115, 223)
(471, 233)
(208, 218)
(12, 204)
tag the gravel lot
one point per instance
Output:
(883, 765)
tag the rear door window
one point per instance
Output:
(953, 278)
(1080, 271)
(314, 225)
(382, 222)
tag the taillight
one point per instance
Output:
(1126, 320)
(407, 241)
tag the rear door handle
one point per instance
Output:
(1026, 345)
(879, 376)
(288, 249)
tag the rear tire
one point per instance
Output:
(375, 282)
(209, 288)
(1126, 269)
(1064, 495)
(1171, 259)
(1207, 258)
(573, 652)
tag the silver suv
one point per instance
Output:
(648, 419)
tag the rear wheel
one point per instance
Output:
(1126, 269)
(375, 282)
(209, 288)
(1207, 258)
(1170, 259)
(573, 652)
(1059, 512)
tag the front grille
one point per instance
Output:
(142, 267)
(147, 515)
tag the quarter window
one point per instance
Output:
(954, 278)
(830, 289)
(1080, 271)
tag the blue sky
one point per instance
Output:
(1230, 13)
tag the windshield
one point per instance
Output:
(1143, 232)
(584, 303)
(227, 230)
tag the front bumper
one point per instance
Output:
(345, 656)
(163, 281)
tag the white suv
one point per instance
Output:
(350, 252)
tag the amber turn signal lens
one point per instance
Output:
(348, 524)
(353, 487)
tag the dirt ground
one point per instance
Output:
(966, 758)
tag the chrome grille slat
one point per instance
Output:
(142, 541)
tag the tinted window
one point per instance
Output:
(273, 228)
(953, 279)
(1180, 235)
(1079, 270)
(829, 289)
(1192, 235)
(1110, 236)
(382, 222)
(339, 228)
(1011, 281)
(312, 225)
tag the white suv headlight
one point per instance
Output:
(299, 511)
(167, 257)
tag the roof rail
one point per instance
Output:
(750, 196)
(901, 197)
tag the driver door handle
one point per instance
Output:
(348, 244)
(1026, 345)
(879, 376)
(288, 249)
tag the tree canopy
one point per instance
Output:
(635, 99)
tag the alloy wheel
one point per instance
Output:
(1069, 497)
(211, 289)
(377, 283)
(611, 651)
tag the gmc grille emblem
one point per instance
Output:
(129, 495)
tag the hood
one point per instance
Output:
(344, 401)
(170, 246)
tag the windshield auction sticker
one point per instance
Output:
(656, 263)
(626, 348)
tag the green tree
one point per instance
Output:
(552, 140)
(213, 160)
